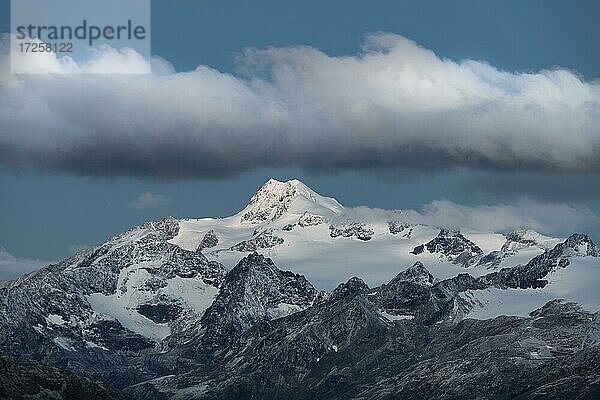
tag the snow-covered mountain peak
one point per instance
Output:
(197, 299)
(454, 245)
(275, 198)
(579, 244)
(524, 238)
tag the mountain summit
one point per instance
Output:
(199, 309)
(275, 198)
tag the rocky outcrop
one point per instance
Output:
(147, 311)
(344, 347)
(253, 291)
(396, 227)
(308, 219)
(352, 287)
(263, 240)
(454, 246)
(407, 291)
(355, 229)
(209, 240)
(531, 275)
(60, 315)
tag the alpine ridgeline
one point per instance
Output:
(198, 309)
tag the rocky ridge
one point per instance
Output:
(402, 339)
(161, 312)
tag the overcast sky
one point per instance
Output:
(462, 111)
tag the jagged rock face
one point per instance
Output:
(415, 293)
(354, 229)
(403, 229)
(343, 348)
(527, 276)
(264, 240)
(282, 350)
(408, 290)
(531, 274)
(579, 245)
(140, 310)
(253, 291)
(22, 379)
(353, 286)
(326, 348)
(454, 246)
(500, 358)
(418, 249)
(417, 274)
(269, 335)
(115, 303)
(209, 240)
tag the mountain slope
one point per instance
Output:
(328, 243)
(355, 345)
(101, 311)
(22, 379)
(255, 290)
(195, 308)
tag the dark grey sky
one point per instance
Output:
(45, 215)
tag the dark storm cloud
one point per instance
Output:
(558, 187)
(395, 104)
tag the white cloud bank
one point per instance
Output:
(12, 267)
(149, 200)
(393, 104)
(547, 218)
